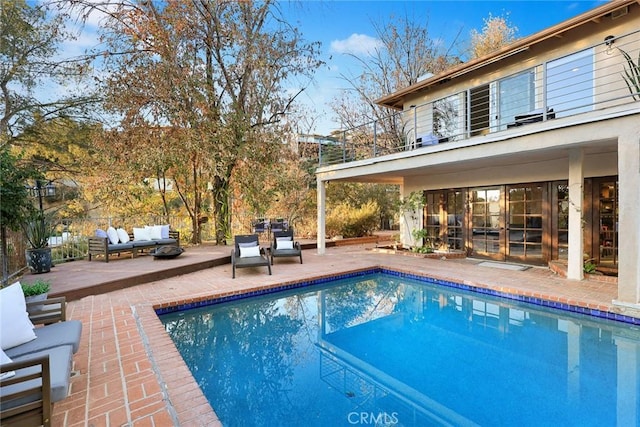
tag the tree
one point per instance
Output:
(29, 41)
(213, 75)
(30, 37)
(405, 53)
(15, 205)
(495, 34)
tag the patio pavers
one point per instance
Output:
(128, 372)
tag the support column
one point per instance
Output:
(576, 196)
(628, 217)
(321, 194)
(628, 394)
(573, 362)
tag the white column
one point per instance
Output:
(321, 194)
(629, 219)
(573, 362)
(576, 196)
(628, 358)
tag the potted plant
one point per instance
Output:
(37, 230)
(632, 75)
(36, 291)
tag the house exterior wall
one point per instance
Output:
(600, 141)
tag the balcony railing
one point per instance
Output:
(600, 76)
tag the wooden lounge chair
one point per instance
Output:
(248, 253)
(39, 373)
(280, 245)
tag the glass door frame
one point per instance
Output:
(604, 235)
(494, 234)
(533, 229)
(446, 230)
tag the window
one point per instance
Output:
(570, 84)
(479, 110)
(512, 96)
(447, 117)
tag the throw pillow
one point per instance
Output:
(155, 232)
(113, 235)
(123, 236)
(4, 359)
(101, 233)
(285, 244)
(164, 231)
(250, 251)
(248, 244)
(15, 326)
(140, 233)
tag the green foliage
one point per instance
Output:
(419, 234)
(422, 249)
(348, 221)
(427, 241)
(16, 206)
(590, 267)
(39, 228)
(36, 288)
(412, 203)
(632, 75)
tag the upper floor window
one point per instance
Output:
(448, 117)
(512, 96)
(570, 88)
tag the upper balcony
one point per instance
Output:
(499, 102)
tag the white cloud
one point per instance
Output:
(356, 44)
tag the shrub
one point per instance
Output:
(348, 221)
(36, 288)
(590, 267)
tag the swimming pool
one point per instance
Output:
(383, 349)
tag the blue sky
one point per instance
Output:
(346, 26)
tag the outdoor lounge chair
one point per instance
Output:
(38, 371)
(283, 245)
(248, 253)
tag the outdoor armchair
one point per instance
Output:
(248, 253)
(283, 245)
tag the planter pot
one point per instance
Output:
(35, 298)
(38, 260)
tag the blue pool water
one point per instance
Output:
(385, 350)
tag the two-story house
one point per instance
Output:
(529, 154)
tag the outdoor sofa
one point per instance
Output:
(117, 241)
(36, 372)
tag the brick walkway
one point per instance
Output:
(128, 372)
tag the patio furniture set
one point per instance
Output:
(160, 240)
(35, 365)
(248, 253)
